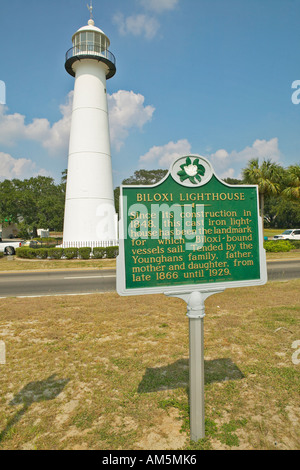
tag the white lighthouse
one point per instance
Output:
(89, 210)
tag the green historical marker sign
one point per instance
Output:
(190, 236)
(191, 231)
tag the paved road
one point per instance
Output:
(283, 270)
(57, 282)
(86, 282)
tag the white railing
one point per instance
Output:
(90, 244)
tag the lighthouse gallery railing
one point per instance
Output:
(90, 49)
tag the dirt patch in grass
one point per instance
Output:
(106, 372)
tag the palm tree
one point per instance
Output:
(292, 191)
(267, 177)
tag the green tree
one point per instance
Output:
(145, 177)
(288, 213)
(42, 203)
(292, 191)
(117, 199)
(35, 202)
(268, 177)
(281, 212)
(64, 176)
(8, 202)
(232, 181)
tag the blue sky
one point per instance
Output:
(208, 77)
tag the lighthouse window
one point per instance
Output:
(97, 42)
(82, 37)
(90, 39)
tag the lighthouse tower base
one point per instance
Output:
(90, 223)
(90, 217)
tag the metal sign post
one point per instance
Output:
(196, 313)
(197, 407)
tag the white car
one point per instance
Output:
(292, 234)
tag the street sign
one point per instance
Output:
(189, 231)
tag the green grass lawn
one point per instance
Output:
(13, 263)
(107, 372)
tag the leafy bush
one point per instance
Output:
(112, 251)
(55, 253)
(53, 245)
(274, 246)
(295, 243)
(31, 253)
(84, 252)
(41, 253)
(26, 252)
(71, 253)
(99, 252)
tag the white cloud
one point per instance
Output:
(138, 25)
(230, 164)
(142, 24)
(159, 6)
(19, 168)
(58, 137)
(126, 111)
(164, 155)
(54, 138)
(226, 164)
(11, 127)
(220, 155)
